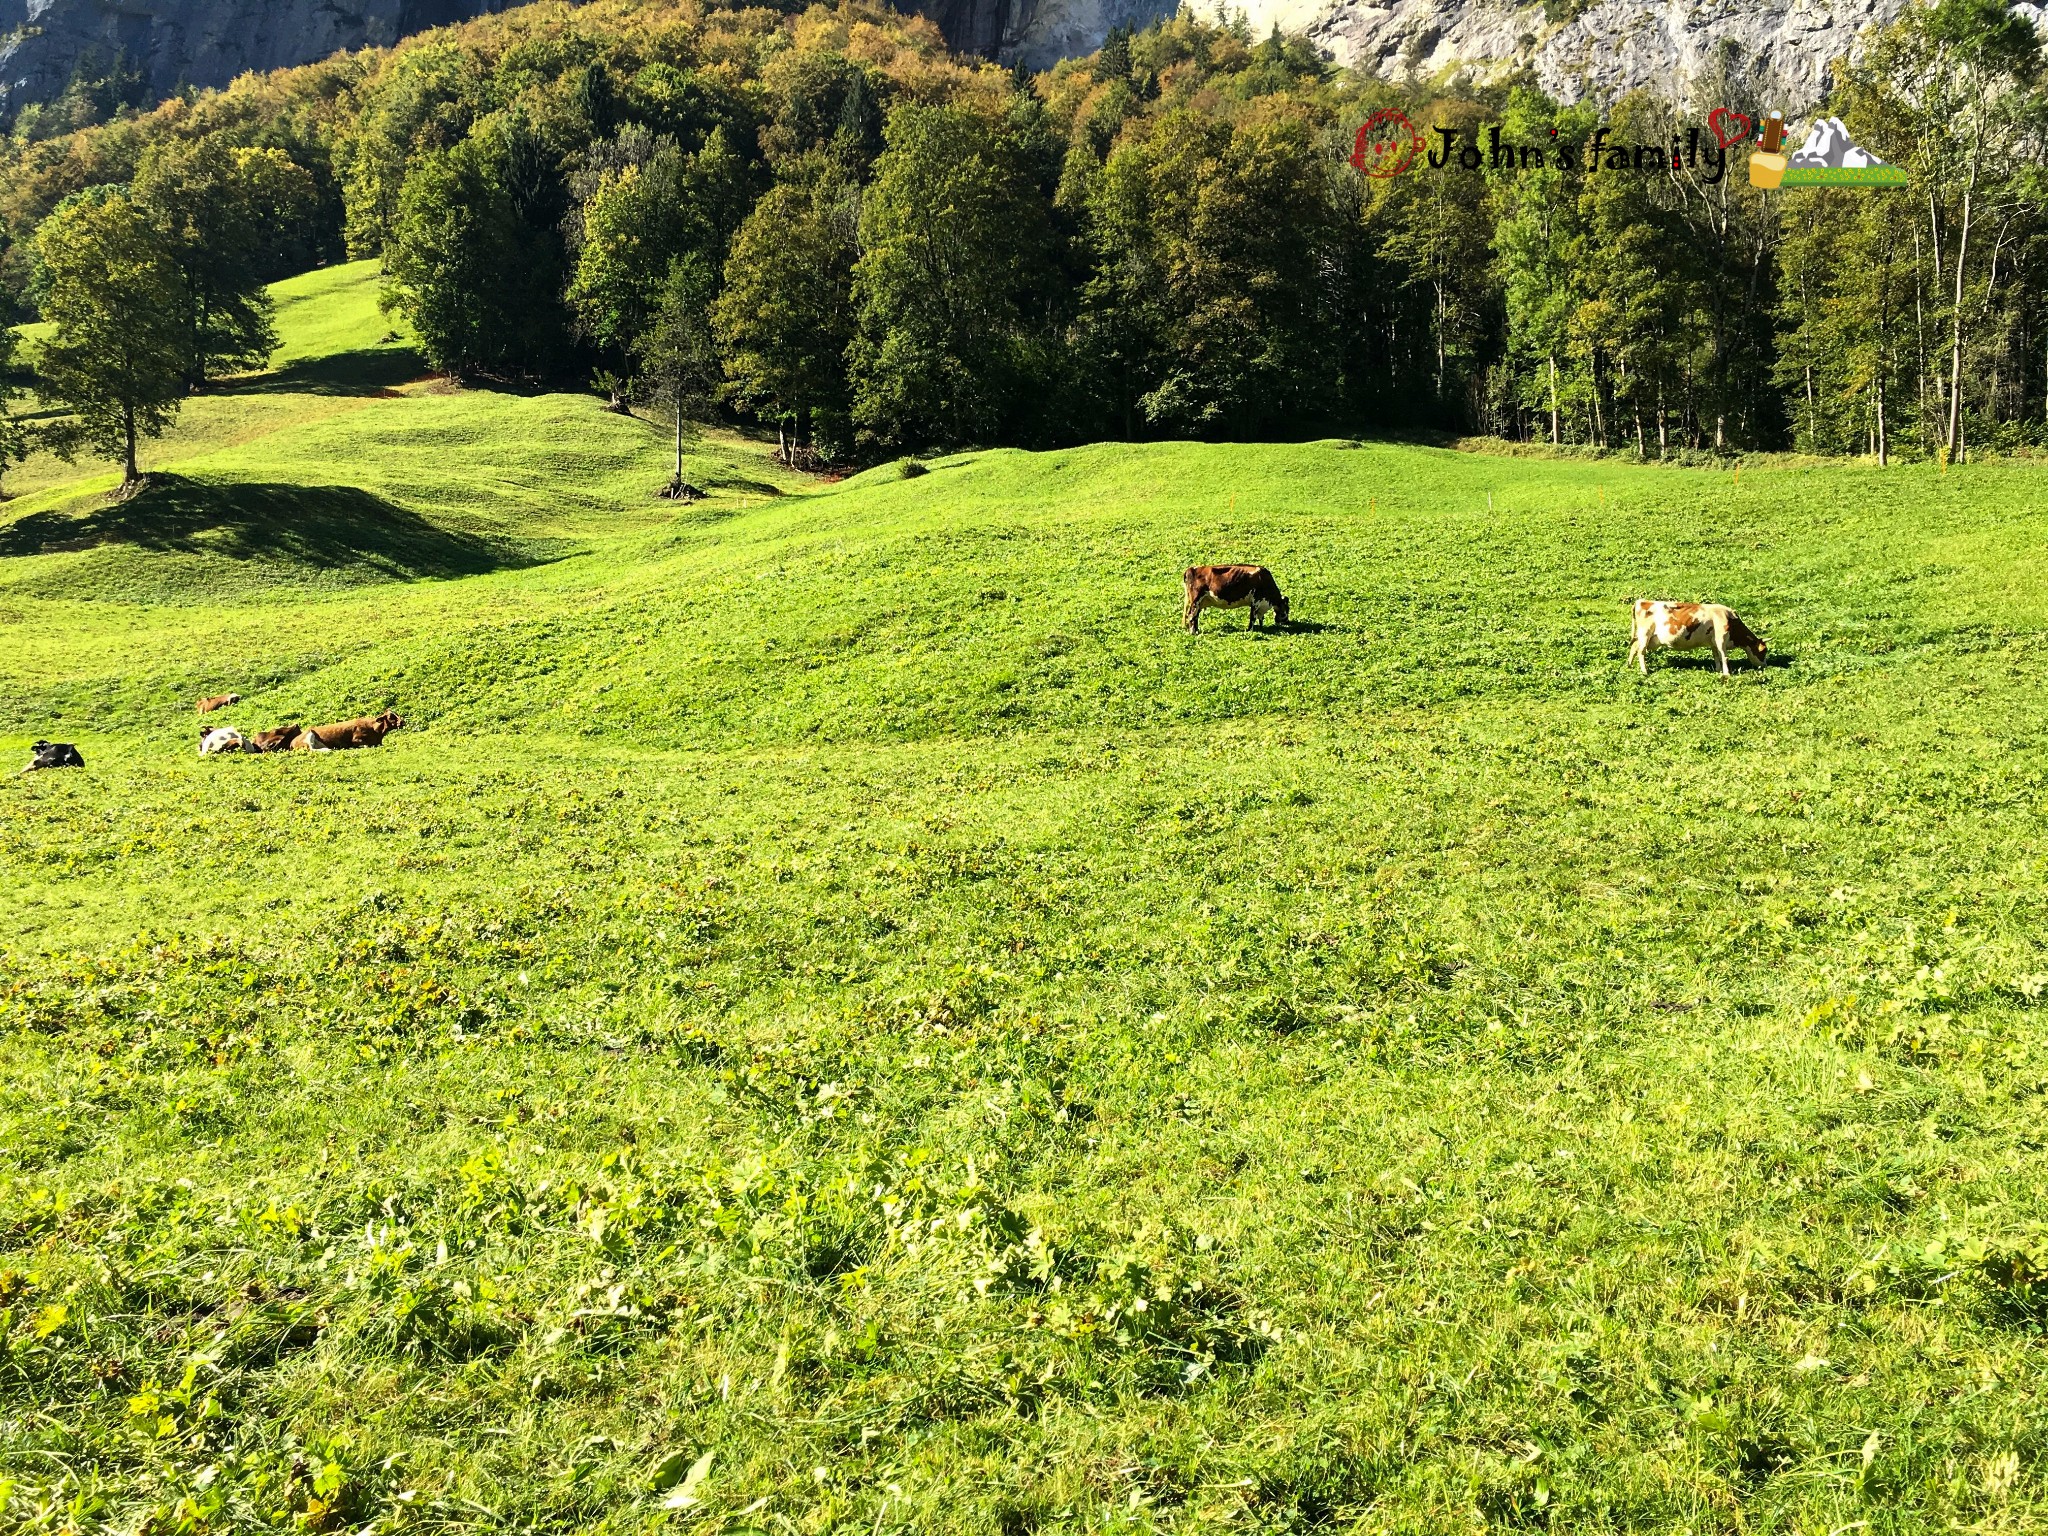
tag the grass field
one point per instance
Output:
(836, 1016)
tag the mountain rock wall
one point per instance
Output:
(173, 43)
(1606, 48)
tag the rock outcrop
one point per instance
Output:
(173, 43)
(1601, 50)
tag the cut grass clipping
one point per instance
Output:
(835, 1015)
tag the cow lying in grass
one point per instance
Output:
(1691, 627)
(360, 732)
(221, 738)
(54, 754)
(1231, 586)
(216, 739)
(218, 701)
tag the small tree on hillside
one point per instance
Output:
(677, 356)
(213, 206)
(116, 302)
(17, 438)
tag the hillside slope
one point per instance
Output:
(835, 1014)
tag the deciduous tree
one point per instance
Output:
(116, 302)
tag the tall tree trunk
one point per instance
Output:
(128, 428)
(1955, 363)
(1553, 400)
(679, 434)
(1920, 321)
(1883, 452)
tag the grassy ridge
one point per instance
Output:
(838, 984)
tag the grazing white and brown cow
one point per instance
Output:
(1231, 586)
(1691, 627)
(360, 732)
(218, 701)
(221, 738)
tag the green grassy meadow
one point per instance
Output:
(837, 1016)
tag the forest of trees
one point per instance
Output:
(822, 220)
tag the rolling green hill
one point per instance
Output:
(836, 1015)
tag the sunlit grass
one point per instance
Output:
(839, 983)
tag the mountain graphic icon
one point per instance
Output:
(1830, 158)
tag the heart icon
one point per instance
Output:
(1723, 123)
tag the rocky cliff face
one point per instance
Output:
(171, 43)
(1608, 47)
(1614, 45)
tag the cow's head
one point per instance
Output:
(388, 722)
(1280, 606)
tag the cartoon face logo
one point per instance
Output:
(1387, 144)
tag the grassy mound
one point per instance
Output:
(836, 1014)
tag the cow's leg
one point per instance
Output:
(1639, 653)
(1191, 621)
(1721, 650)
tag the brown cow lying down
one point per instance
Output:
(362, 732)
(1231, 586)
(1690, 627)
(218, 701)
(278, 740)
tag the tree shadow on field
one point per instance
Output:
(367, 371)
(332, 527)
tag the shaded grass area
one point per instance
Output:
(325, 527)
(839, 985)
(366, 371)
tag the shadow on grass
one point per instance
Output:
(333, 527)
(368, 371)
(1703, 661)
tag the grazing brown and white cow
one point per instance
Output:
(221, 738)
(218, 701)
(278, 740)
(1231, 586)
(360, 732)
(1691, 627)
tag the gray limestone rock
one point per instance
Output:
(1600, 49)
(173, 43)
